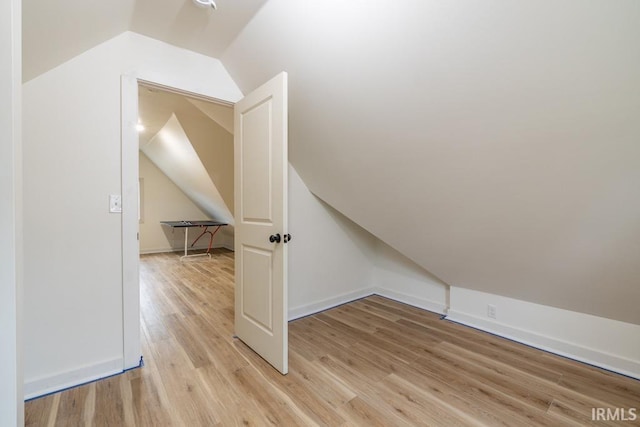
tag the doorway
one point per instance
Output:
(131, 88)
(260, 192)
(185, 171)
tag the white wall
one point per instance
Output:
(333, 261)
(73, 245)
(599, 341)
(494, 143)
(330, 258)
(399, 278)
(11, 403)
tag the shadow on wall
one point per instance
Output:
(171, 151)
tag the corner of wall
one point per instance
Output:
(330, 257)
(398, 278)
(339, 262)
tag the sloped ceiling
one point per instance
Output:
(189, 173)
(212, 143)
(221, 114)
(495, 143)
(56, 31)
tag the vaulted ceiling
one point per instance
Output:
(495, 143)
(56, 31)
(204, 128)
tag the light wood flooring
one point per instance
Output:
(373, 362)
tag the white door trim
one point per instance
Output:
(132, 347)
(11, 333)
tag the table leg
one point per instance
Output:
(186, 240)
(211, 239)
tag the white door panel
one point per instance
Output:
(261, 211)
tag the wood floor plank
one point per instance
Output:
(109, 409)
(89, 406)
(178, 378)
(417, 406)
(221, 349)
(487, 402)
(321, 343)
(39, 410)
(510, 379)
(361, 413)
(229, 403)
(373, 362)
(308, 350)
(148, 409)
(450, 331)
(308, 399)
(346, 314)
(568, 415)
(188, 339)
(493, 373)
(364, 304)
(278, 408)
(343, 332)
(332, 390)
(484, 345)
(52, 418)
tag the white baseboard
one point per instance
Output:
(423, 303)
(601, 342)
(620, 354)
(316, 307)
(50, 384)
(169, 249)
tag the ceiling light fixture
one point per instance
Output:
(205, 3)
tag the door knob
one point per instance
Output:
(274, 238)
(287, 238)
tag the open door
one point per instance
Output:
(261, 163)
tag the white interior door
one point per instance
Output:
(261, 163)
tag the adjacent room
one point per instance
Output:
(425, 213)
(185, 172)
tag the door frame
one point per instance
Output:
(132, 345)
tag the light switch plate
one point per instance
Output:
(115, 203)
